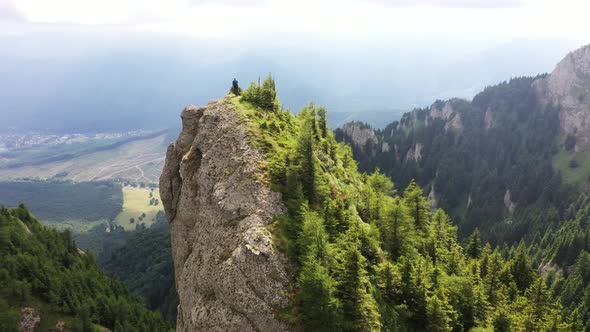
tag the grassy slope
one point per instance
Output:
(135, 202)
(572, 175)
(277, 142)
(66, 205)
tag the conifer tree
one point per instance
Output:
(492, 278)
(417, 205)
(473, 248)
(439, 313)
(520, 267)
(306, 153)
(398, 234)
(316, 297)
(359, 308)
(323, 121)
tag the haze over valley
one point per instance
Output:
(350, 166)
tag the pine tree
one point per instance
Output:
(398, 235)
(492, 283)
(538, 297)
(417, 206)
(443, 244)
(520, 268)
(502, 322)
(359, 308)
(308, 159)
(323, 121)
(313, 122)
(313, 238)
(268, 94)
(439, 313)
(262, 95)
(390, 283)
(473, 248)
(575, 322)
(316, 297)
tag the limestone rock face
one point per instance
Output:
(452, 118)
(416, 153)
(442, 113)
(508, 203)
(229, 276)
(359, 135)
(455, 124)
(568, 87)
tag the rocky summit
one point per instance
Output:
(228, 274)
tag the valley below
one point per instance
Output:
(466, 215)
(136, 157)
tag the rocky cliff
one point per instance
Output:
(228, 274)
(568, 87)
(359, 134)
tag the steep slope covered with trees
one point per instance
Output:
(483, 162)
(144, 264)
(42, 268)
(365, 256)
(509, 162)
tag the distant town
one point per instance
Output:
(18, 141)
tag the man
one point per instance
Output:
(235, 89)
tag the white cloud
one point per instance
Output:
(8, 12)
(339, 19)
(481, 4)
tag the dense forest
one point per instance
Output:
(370, 256)
(504, 167)
(102, 239)
(43, 268)
(141, 259)
(65, 200)
(144, 264)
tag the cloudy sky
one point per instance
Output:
(357, 55)
(377, 19)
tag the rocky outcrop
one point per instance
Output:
(455, 124)
(229, 275)
(30, 318)
(60, 326)
(568, 87)
(488, 119)
(359, 134)
(433, 198)
(416, 153)
(508, 203)
(447, 113)
(442, 113)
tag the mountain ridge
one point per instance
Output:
(509, 135)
